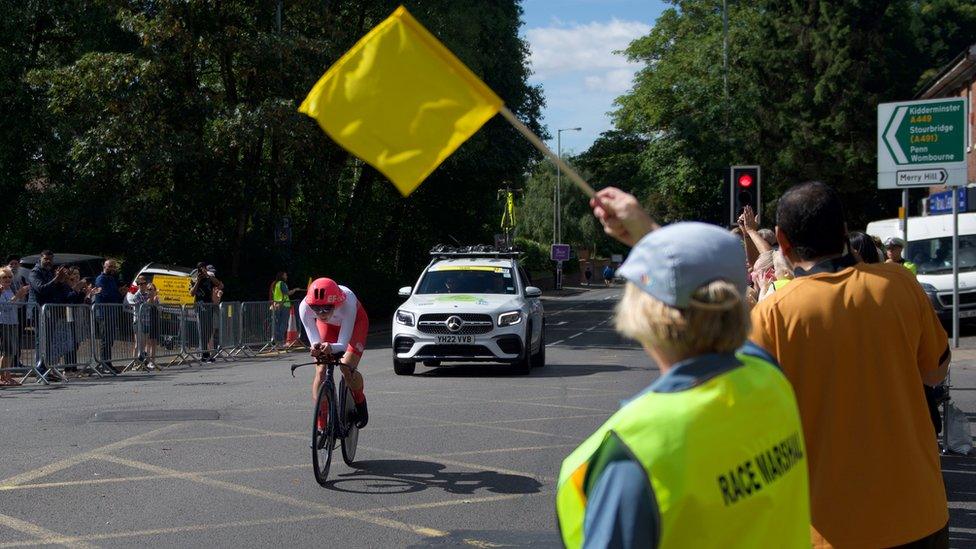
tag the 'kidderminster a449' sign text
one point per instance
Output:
(922, 143)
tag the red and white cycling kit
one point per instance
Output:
(347, 327)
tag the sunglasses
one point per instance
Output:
(141, 282)
(322, 309)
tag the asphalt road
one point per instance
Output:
(452, 456)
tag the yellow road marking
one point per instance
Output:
(486, 425)
(278, 498)
(136, 478)
(62, 464)
(501, 450)
(162, 531)
(463, 464)
(56, 539)
(45, 536)
(453, 502)
(434, 458)
(466, 400)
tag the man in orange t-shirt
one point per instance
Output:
(875, 479)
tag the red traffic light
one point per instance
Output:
(745, 180)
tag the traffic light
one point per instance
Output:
(744, 190)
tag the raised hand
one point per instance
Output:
(621, 215)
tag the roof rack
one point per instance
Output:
(478, 250)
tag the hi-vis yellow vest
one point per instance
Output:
(725, 459)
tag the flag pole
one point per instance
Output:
(534, 139)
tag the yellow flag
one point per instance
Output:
(400, 101)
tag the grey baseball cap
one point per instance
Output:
(672, 262)
(894, 241)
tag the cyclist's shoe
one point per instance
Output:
(361, 417)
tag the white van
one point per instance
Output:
(930, 248)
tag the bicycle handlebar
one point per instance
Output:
(324, 359)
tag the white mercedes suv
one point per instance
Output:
(471, 304)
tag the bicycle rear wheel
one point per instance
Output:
(323, 441)
(348, 405)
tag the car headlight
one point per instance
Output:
(928, 288)
(404, 318)
(510, 318)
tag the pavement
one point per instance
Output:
(218, 455)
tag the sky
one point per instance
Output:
(572, 44)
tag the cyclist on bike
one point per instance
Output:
(336, 322)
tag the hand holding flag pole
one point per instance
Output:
(402, 102)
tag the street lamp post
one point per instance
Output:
(557, 204)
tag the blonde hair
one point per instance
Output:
(782, 266)
(764, 261)
(716, 320)
(6, 271)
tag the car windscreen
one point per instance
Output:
(934, 255)
(467, 280)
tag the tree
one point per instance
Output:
(804, 81)
(170, 129)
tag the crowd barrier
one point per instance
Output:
(257, 327)
(46, 343)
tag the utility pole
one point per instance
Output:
(557, 231)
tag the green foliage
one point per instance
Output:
(613, 159)
(168, 131)
(804, 81)
(535, 256)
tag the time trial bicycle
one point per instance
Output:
(339, 428)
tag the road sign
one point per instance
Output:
(941, 203)
(922, 143)
(560, 252)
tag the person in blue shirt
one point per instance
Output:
(108, 316)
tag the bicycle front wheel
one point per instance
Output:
(348, 405)
(323, 433)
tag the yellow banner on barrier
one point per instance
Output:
(173, 290)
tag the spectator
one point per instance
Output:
(895, 246)
(19, 281)
(18, 273)
(145, 321)
(769, 236)
(203, 289)
(763, 274)
(108, 310)
(217, 295)
(669, 469)
(49, 285)
(874, 464)
(862, 247)
(280, 297)
(9, 326)
(783, 272)
(588, 274)
(76, 321)
(607, 274)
